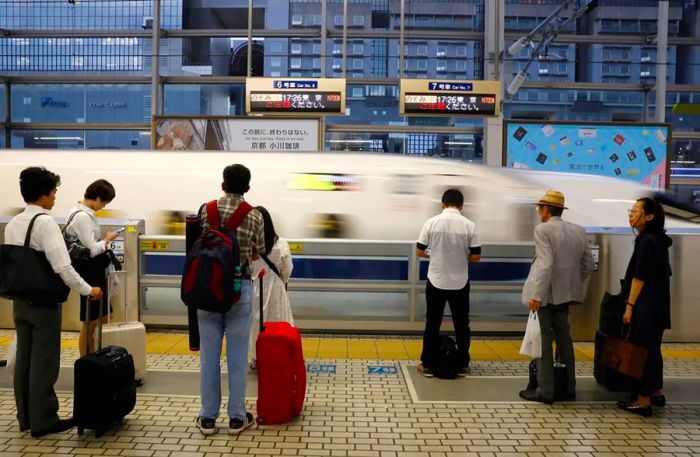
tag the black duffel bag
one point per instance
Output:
(26, 274)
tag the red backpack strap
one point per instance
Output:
(237, 217)
(213, 218)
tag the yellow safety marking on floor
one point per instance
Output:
(480, 350)
(583, 354)
(333, 349)
(5, 340)
(162, 343)
(680, 354)
(507, 350)
(310, 347)
(182, 346)
(362, 349)
(413, 349)
(69, 344)
(392, 349)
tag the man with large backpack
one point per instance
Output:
(217, 281)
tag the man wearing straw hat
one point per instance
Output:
(562, 262)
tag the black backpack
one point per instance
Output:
(447, 363)
(213, 264)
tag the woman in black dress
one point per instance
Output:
(647, 286)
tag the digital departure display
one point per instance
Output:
(296, 102)
(450, 104)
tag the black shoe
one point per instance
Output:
(236, 426)
(644, 411)
(23, 428)
(61, 426)
(532, 395)
(206, 425)
(658, 400)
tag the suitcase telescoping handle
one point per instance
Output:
(261, 273)
(99, 325)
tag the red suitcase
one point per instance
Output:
(281, 370)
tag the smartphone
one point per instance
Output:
(650, 154)
(120, 230)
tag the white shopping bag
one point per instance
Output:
(532, 342)
(12, 355)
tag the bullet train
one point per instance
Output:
(313, 195)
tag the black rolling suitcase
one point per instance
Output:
(560, 379)
(104, 387)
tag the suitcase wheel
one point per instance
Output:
(81, 430)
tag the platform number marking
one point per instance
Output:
(387, 370)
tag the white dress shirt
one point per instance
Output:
(449, 236)
(46, 237)
(84, 227)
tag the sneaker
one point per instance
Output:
(464, 372)
(206, 425)
(425, 371)
(236, 426)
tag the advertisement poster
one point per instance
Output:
(250, 135)
(637, 152)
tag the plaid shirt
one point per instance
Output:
(251, 237)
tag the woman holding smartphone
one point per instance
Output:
(82, 226)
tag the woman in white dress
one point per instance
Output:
(82, 225)
(277, 262)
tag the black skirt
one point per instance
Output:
(93, 272)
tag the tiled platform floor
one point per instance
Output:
(353, 413)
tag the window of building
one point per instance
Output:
(606, 69)
(337, 64)
(358, 20)
(316, 19)
(78, 61)
(606, 53)
(296, 48)
(461, 65)
(624, 69)
(422, 64)
(357, 48)
(358, 92)
(441, 51)
(422, 50)
(645, 56)
(338, 20)
(441, 65)
(295, 74)
(297, 19)
(316, 63)
(275, 61)
(337, 48)
(357, 64)
(461, 51)
(317, 48)
(295, 63)
(275, 74)
(276, 47)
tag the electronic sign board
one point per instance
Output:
(292, 96)
(426, 97)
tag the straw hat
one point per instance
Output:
(553, 198)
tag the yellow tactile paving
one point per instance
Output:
(333, 349)
(507, 350)
(310, 347)
(392, 349)
(163, 343)
(413, 348)
(369, 348)
(362, 349)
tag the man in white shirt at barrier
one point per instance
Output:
(38, 325)
(453, 243)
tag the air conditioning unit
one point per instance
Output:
(645, 59)
(441, 53)
(337, 66)
(544, 71)
(441, 68)
(645, 74)
(147, 22)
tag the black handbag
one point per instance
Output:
(78, 253)
(26, 274)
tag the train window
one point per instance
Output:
(406, 184)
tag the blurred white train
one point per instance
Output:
(313, 195)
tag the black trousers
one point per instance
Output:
(459, 308)
(653, 376)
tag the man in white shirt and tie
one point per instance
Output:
(38, 325)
